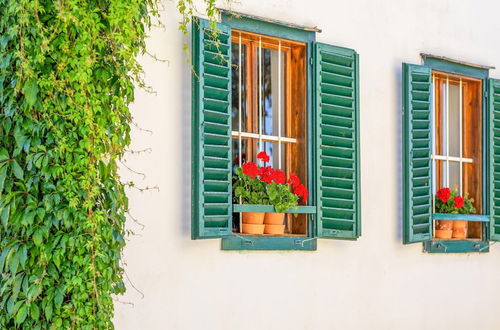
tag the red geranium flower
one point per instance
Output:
(294, 180)
(459, 202)
(301, 191)
(264, 156)
(279, 177)
(250, 169)
(266, 174)
(444, 194)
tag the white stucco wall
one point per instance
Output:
(374, 283)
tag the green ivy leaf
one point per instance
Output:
(17, 286)
(24, 255)
(18, 171)
(5, 216)
(37, 237)
(21, 314)
(34, 291)
(3, 256)
(4, 154)
(11, 304)
(14, 262)
(3, 176)
(35, 311)
(48, 311)
(31, 91)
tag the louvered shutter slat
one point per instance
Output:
(494, 138)
(417, 125)
(337, 154)
(211, 132)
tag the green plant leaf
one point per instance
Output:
(21, 314)
(24, 255)
(14, 262)
(37, 237)
(4, 154)
(31, 91)
(3, 176)
(48, 311)
(35, 311)
(3, 256)
(18, 171)
(4, 215)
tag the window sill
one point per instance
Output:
(456, 246)
(270, 208)
(461, 217)
(269, 242)
(250, 242)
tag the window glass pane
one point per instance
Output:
(273, 84)
(244, 151)
(454, 120)
(454, 176)
(272, 149)
(236, 88)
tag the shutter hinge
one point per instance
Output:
(311, 60)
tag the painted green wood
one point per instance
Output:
(247, 242)
(456, 68)
(461, 217)
(456, 246)
(279, 30)
(270, 208)
(337, 137)
(467, 246)
(494, 159)
(417, 194)
(211, 132)
(274, 29)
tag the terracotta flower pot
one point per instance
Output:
(444, 234)
(274, 229)
(274, 218)
(460, 229)
(254, 229)
(253, 217)
(444, 225)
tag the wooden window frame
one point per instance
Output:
(470, 144)
(293, 139)
(451, 67)
(302, 242)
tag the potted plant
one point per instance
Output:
(248, 189)
(451, 202)
(266, 186)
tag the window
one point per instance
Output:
(457, 138)
(261, 85)
(269, 108)
(450, 130)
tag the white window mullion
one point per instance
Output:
(433, 142)
(239, 100)
(260, 95)
(279, 105)
(460, 110)
(239, 120)
(447, 119)
(450, 158)
(264, 137)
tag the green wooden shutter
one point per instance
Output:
(417, 144)
(211, 132)
(337, 138)
(494, 141)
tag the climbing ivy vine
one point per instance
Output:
(68, 69)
